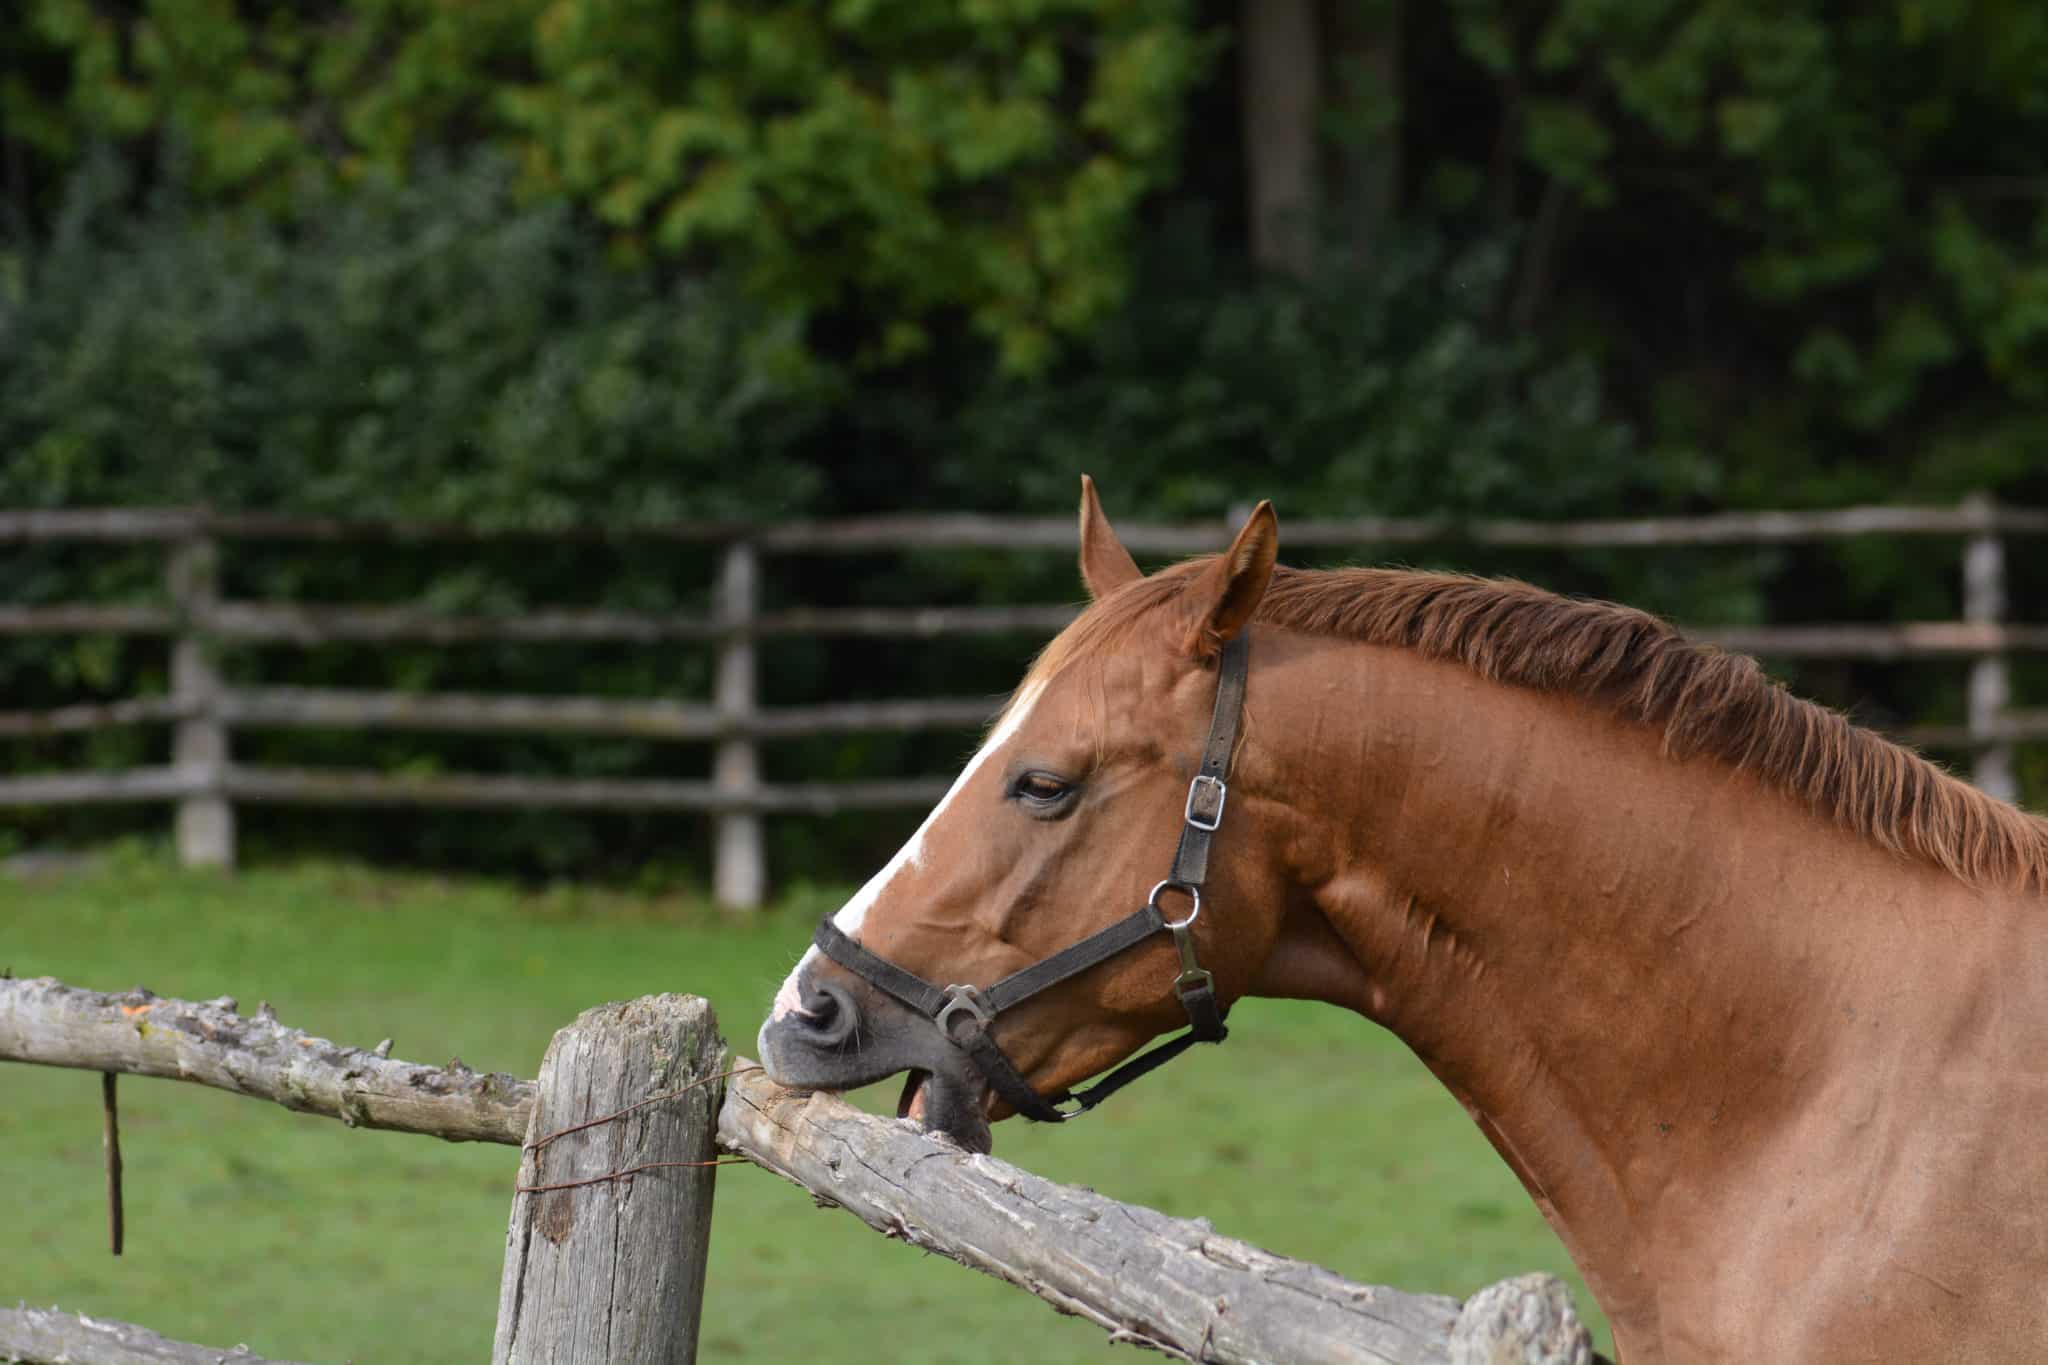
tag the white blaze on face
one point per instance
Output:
(849, 916)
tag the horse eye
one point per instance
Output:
(1042, 788)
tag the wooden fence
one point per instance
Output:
(205, 782)
(629, 1100)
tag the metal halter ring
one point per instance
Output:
(965, 998)
(1193, 891)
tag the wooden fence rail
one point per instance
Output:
(120, 525)
(51, 1335)
(486, 713)
(205, 710)
(591, 1276)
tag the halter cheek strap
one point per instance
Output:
(964, 1013)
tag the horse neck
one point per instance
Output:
(1571, 929)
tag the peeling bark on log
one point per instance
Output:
(610, 1269)
(1527, 1320)
(1148, 1279)
(50, 1336)
(44, 1021)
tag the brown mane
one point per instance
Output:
(1703, 700)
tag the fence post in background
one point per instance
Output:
(739, 869)
(1990, 683)
(199, 746)
(605, 1264)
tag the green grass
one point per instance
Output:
(1311, 1133)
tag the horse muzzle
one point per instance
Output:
(841, 1038)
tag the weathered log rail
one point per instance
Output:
(209, 1042)
(126, 525)
(1171, 1284)
(51, 1335)
(205, 711)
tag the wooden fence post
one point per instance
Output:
(199, 747)
(1990, 682)
(606, 1263)
(739, 869)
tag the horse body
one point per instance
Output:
(1755, 1005)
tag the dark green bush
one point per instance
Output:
(427, 349)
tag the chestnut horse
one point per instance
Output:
(1754, 1002)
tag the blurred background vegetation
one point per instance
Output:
(621, 261)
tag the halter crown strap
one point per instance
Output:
(964, 1013)
(1207, 793)
(1200, 819)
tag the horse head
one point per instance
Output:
(1059, 828)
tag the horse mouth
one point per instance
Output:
(950, 1105)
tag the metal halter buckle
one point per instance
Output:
(1207, 818)
(962, 998)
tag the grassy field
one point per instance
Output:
(1311, 1133)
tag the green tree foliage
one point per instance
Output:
(263, 94)
(887, 157)
(1808, 242)
(1822, 228)
(873, 165)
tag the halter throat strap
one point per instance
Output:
(964, 1013)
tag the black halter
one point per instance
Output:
(964, 1013)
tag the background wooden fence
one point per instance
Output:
(612, 1207)
(205, 782)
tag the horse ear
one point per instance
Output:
(1105, 564)
(1229, 590)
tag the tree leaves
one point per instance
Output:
(887, 165)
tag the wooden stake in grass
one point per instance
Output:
(110, 1137)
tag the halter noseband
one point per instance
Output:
(964, 1013)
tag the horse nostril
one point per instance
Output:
(832, 1017)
